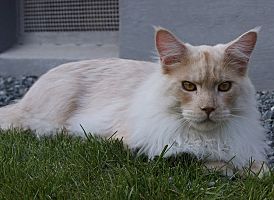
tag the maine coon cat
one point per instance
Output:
(197, 99)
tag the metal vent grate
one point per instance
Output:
(71, 15)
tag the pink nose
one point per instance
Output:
(208, 110)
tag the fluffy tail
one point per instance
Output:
(9, 117)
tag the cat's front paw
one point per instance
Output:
(256, 168)
(225, 168)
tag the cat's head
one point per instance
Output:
(209, 82)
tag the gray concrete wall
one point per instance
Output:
(8, 26)
(200, 22)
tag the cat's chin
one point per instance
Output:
(204, 126)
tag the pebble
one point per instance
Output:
(170, 179)
(269, 142)
(211, 183)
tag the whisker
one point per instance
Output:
(235, 123)
(243, 108)
(238, 116)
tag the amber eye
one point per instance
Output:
(188, 86)
(225, 86)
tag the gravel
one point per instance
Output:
(12, 89)
(265, 104)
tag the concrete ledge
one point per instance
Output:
(37, 59)
(65, 51)
(19, 67)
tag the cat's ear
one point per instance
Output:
(171, 50)
(238, 52)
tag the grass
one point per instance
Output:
(64, 167)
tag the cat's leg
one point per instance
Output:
(93, 123)
(225, 168)
(103, 120)
(256, 168)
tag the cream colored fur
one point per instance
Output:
(145, 103)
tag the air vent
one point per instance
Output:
(70, 15)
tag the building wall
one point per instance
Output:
(200, 22)
(8, 32)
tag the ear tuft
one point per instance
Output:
(239, 51)
(257, 29)
(171, 50)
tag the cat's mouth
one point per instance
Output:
(204, 125)
(203, 120)
(207, 120)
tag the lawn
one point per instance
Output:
(64, 167)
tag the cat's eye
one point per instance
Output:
(225, 86)
(188, 86)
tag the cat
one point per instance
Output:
(196, 99)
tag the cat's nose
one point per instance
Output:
(208, 110)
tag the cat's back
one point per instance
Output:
(112, 77)
(109, 77)
(110, 68)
